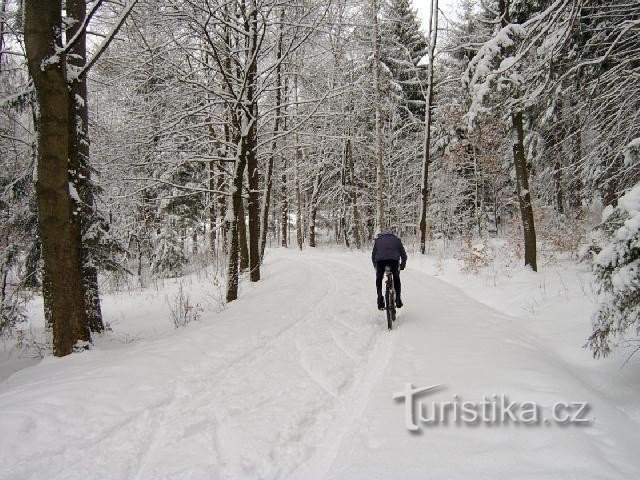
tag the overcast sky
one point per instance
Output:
(423, 6)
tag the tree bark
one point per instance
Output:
(221, 186)
(211, 202)
(58, 222)
(266, 202)
(233, 246)
(242, 236)
(3, 8)
(345, 200)
(284, 206)
(313, 210)
(576, 186)
(524, 195)
(253, 205)
(299, 232)
(353, 196)
(79, 169)
(235, 204)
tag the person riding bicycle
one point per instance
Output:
(388, 251)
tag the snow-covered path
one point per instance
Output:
(296, 380)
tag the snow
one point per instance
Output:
(79, 100)
(631, 201)
(626, 277)
(51, 60)
(507, 63)
(632, 151)
(614, 252)
(296, 380)
(73, 193)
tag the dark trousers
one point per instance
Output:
(393, 264)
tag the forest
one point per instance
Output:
(143, 139)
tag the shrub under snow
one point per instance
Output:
(615, 247)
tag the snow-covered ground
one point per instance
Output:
(296, 380)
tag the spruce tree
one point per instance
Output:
(404, 46)
(615, 246)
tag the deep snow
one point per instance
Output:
(295, 380)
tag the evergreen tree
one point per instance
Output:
(615, 246)
(404, 46)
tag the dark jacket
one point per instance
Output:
(388, 247)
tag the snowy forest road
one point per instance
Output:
(295, 380)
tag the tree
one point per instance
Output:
(379, 140)
(615, 247)
(403, 48)
(51, 61)
(424, 189)
(58, 221)
(495, 66)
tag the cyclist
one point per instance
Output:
(388, 251)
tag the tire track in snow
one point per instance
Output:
(244, 365)
(353, 404)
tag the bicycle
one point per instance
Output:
(389, 297)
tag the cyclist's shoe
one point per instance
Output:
(380, 303)
(398, 302)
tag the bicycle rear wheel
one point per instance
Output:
(389, 308)
(392, 303)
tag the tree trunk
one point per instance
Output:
(555, 154)
(353, 196)
(216, 201)
(426, 160)
(221, 186)
(299, 232)
(298, 159)
(559, 191)
(268, 181)
(253, 205)
(266, 202)
(345, 194)
(576, 185)
(232, 262)
(522, 173)
(211, 202)
(313, 210)
(3, 9)
(233, 242)
(379, 147)
(242, 237)
(284, 206)
(524, 195)
(58, 223)
(79, 170)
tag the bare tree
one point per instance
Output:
(426, 159)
